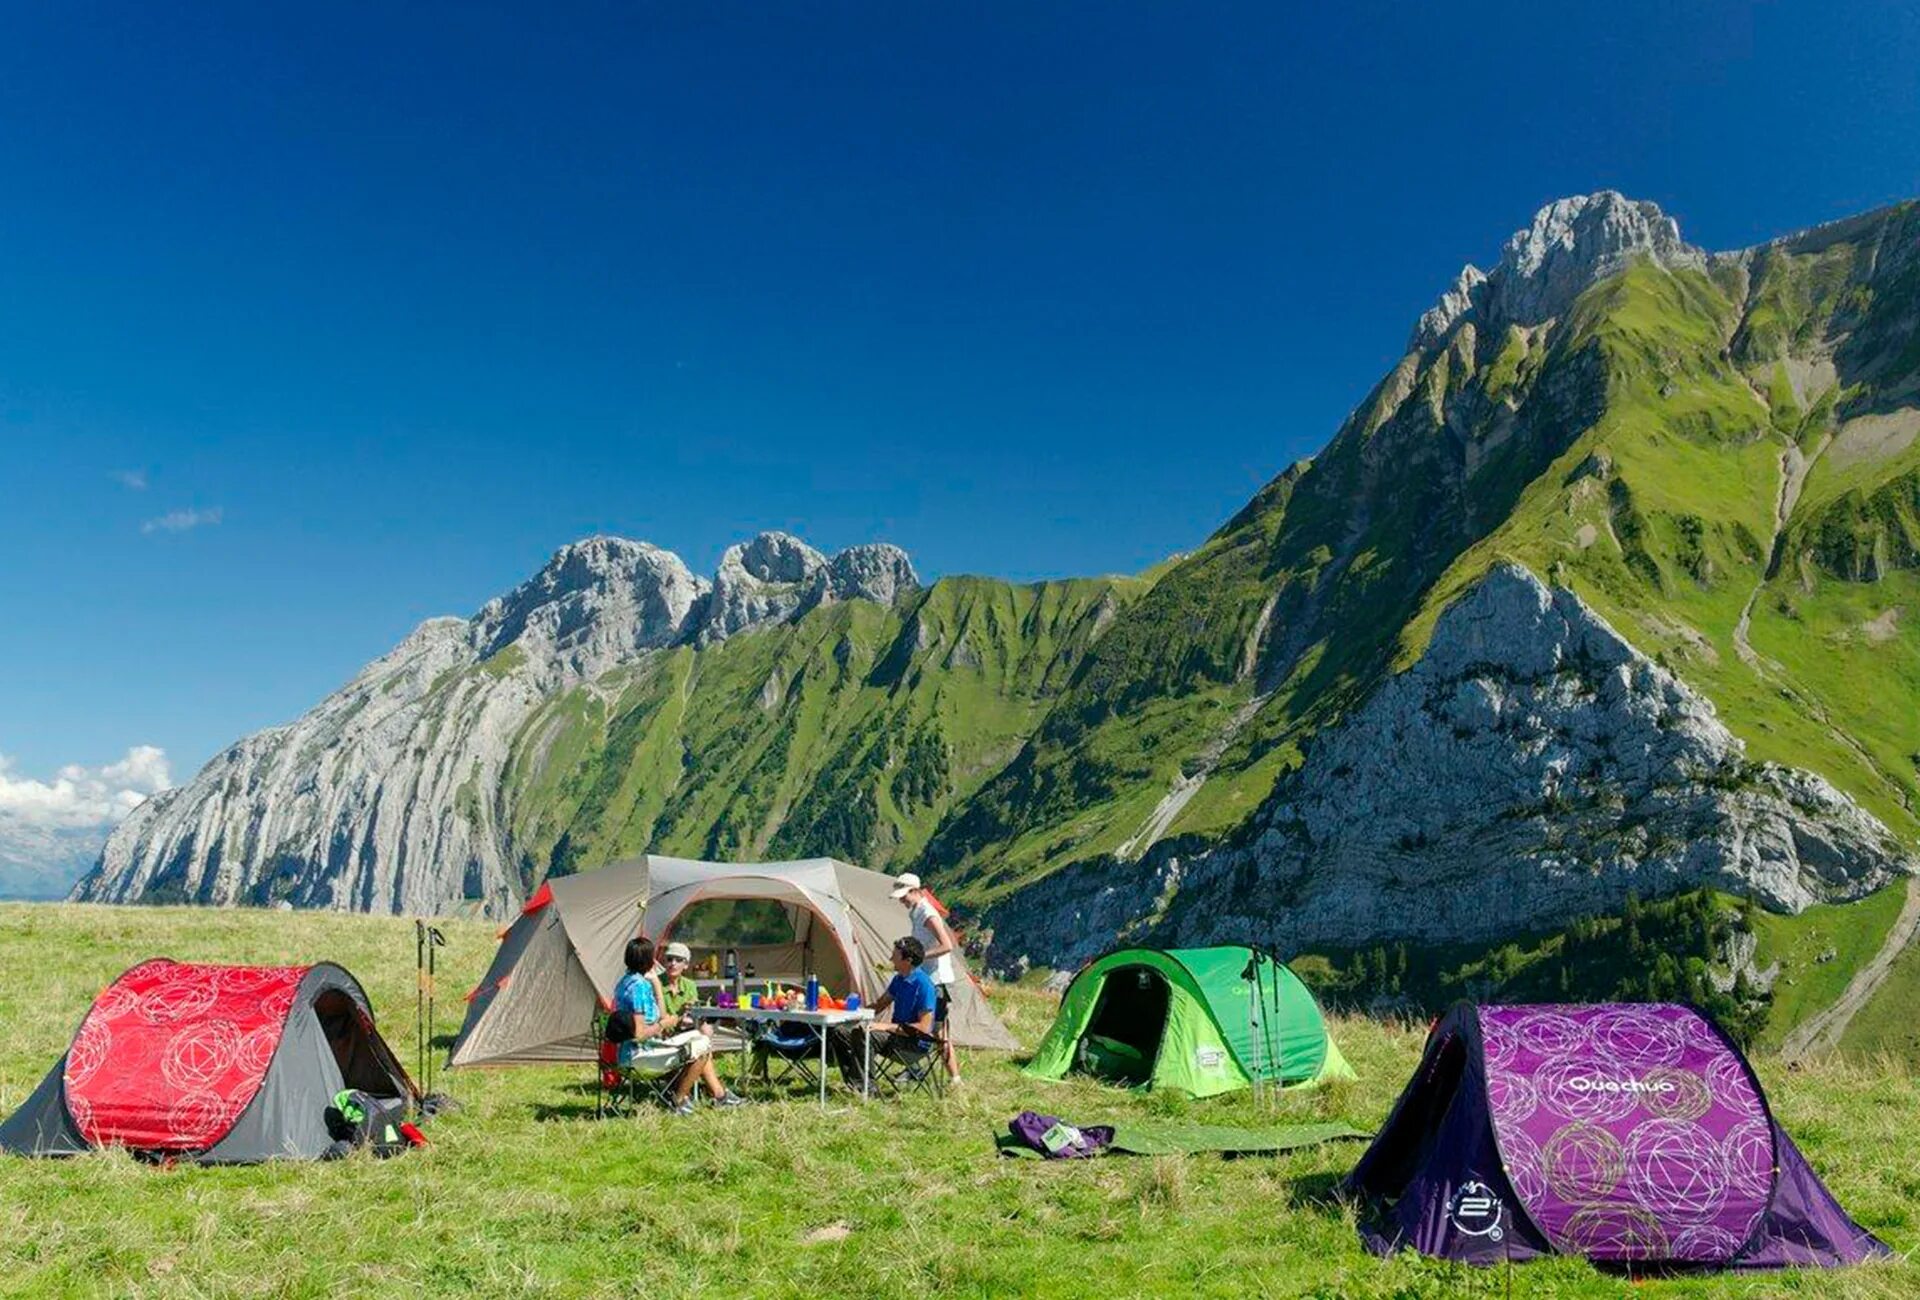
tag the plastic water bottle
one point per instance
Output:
(733, 974)
(813, 992)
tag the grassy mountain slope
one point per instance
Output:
(1665, 447)
(848, 732)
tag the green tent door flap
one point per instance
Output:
(1203, 1020)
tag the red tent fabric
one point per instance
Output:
(172, 1054)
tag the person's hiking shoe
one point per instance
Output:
(683, 1108)
(731, 1099)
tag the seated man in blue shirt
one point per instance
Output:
(908, 1002)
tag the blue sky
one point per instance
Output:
(389, 302)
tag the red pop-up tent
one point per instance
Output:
(216, 1064)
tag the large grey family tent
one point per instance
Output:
(1627, 1133)
(563, 955)
(1203, 1020)
(214, 1064)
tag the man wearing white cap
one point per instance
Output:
(677, 989)
(936, 936)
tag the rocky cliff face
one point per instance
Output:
(387, 795)
(1531, 767)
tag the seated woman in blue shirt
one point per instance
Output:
(661, 1042)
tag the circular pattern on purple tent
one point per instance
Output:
(1581, 1089)
(1551, 1034)
(1748, 1148)
(1524, 1165)
(1679, 1170)
(1583, 1162)
(1676, 1094)
(1615, 1232)
(1637, 1037)
(1704, 1241)
(1512, 1096)
(1628, 1132)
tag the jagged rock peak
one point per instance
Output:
(1570, 244)
(1454, 303)
(878, 571)
(777, 576)
(595, 603)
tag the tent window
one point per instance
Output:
(360, 1062)
(716, 922)
(1123, 1037)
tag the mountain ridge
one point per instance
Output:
(1712, 455)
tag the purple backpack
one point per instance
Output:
(1056, 1139)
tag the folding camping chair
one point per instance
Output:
(906, 1061)
(619, 1089)
(786, 1052)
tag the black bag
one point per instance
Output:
(620, 1026)
(366, 1120)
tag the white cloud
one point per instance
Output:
(132, 479)
(180, 521)
(50, 831)
(83, 796)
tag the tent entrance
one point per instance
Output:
(365, 1061)
(1122, 1039)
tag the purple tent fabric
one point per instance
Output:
(1624, 1133)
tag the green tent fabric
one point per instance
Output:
(1205, 1020)
(1149, 1138)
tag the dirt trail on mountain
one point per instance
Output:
(1794, 468)
(1821, 1031)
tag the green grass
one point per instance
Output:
(1854, 933)
(522, 1193)
(1886, 1026)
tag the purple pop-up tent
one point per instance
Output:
(1625, 1133)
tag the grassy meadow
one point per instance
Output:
(523, 1193)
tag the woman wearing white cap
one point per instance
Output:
(936, 936)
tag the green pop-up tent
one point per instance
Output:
(1203, 1020)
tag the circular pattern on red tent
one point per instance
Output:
(89, 1050)
(177, 999)
(172, 1054)
(200, 1053)
(196, 1120)
(257, 1049)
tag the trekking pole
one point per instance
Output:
(435, 940)
(419, 997)
(1252, 975)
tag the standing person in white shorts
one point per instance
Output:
(936, 936)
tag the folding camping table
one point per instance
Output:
(750, 1019)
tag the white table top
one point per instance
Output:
(799, 1015)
